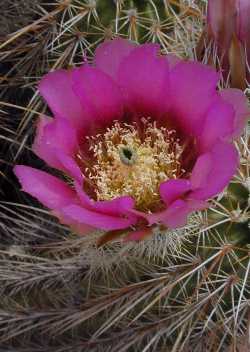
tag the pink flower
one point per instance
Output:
(144, 139)
(228, 26)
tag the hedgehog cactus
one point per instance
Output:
(185, 289)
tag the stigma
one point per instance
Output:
(127, 155)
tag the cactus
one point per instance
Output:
(183, 290)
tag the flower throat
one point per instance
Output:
(134, 162)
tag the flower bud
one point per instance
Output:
(228, 29)
(221, 22)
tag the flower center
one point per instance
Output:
(134, 161)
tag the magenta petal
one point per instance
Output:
(219, 124)
(144, 80)
(173, 189)
(95, 219)
(69, 166)
(56, 143)
(176, 214)
(56, 88)
(201, 170)
(117, 207)
(238, 101)
(85, 200)
(41, 146)
(49, 190)
(101, 99)
(190, 101)
(120, 206)
(213, 171)
(54, 135)
(108, 55)
(80, 228)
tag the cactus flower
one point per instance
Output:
(141, 139)
(228, 27)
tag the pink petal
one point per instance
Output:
(49, 190)
(100, 98)
(56, 143)
(177, 211)
(173, 189)
(219, 124)
(238, 101)
(213, 171)
(56, 88)
(54, 135)
(109, 55)
(117, 207)
(95, 219)
(69, 166)
(176, 214)
(201, 170)
(190, 101)
(41, 125)
(120, 206)
(144, 80)
(79, 228)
